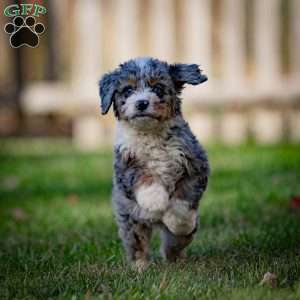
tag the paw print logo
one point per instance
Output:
(24, 32)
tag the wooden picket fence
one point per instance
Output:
(249, 50)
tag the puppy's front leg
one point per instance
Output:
(180, 219)
(152, 197)
(182, 214)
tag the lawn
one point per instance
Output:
(58, 238)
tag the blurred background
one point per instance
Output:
(58, 234)
(249, 50)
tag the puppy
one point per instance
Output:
(160, 169)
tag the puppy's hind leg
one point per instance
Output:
(173, 246)
(136, 241)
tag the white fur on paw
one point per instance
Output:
(180, 219)
(140, 265)
(153, 198)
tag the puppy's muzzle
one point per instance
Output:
(142, 105)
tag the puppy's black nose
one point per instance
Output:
(141, 105)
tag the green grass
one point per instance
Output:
(58, 238)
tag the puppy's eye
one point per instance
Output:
(158, 89)
(127, 91)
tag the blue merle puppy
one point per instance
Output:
(160, 169)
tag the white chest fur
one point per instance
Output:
(163, 158)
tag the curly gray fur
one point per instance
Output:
(160, 169)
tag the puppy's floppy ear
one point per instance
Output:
(184, 73)
(107, 89)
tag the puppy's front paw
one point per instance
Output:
(140, 265)
(179, 218)
(153, 198)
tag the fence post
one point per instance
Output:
(233, 42)
(197, 33)
(234, 127)
(87, 131)
(127, 29)
(162, 26)
(294, 126)
(87, 48)
(267, 125)
(295, 40)
(267, 43)
(203, 125)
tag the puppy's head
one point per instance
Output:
(145, 90)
